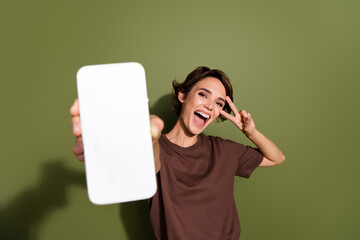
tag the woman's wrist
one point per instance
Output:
(252, 135)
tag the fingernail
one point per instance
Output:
(75, 127)
(154, 130)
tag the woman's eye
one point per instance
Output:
(219, 104)
(202, 94)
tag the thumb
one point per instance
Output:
(156, 126)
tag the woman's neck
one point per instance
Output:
(180, 136)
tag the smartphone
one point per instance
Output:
(115, 123)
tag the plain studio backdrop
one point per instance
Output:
(295, 65)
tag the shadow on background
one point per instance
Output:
(162, 109)
(23, 216)
(136, 221)
(135, 215)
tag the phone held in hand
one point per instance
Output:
(114, 116)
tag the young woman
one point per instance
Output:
(195, 173)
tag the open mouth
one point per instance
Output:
(201, 118)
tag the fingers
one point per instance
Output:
(232, 105)
(74, 110)
(241, 119)
(244, 114)
(245, 117)
(248, 118)
(80, 158)
(75, 120)
(79, 149)
(227, 115)
(156, 126)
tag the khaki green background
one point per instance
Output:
(295, 65)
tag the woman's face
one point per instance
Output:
(202, 104)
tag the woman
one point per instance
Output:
(195, 173)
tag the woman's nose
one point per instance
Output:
(208, 106)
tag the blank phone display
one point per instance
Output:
(114, 117)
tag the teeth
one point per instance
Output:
(203, 114)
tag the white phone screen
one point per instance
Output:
(114, 116)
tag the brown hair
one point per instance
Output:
(195, 76)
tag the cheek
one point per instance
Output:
(217, 113)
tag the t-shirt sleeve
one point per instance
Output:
(248, 159)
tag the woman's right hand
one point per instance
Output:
(156, 124)
(75, 120)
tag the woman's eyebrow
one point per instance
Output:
(208, 91)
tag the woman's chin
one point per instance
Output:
(196, 129)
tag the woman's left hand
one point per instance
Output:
(242, 119)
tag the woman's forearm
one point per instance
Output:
(267, 147)
(156, 149)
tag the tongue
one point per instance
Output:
(198, 120)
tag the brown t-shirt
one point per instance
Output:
(195, 196)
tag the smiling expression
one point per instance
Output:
(202, 105)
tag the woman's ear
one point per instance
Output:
(181, 96)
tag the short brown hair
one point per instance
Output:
(195, 76)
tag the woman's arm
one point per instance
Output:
(272, 154)
(243, 120)
(156, 124)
